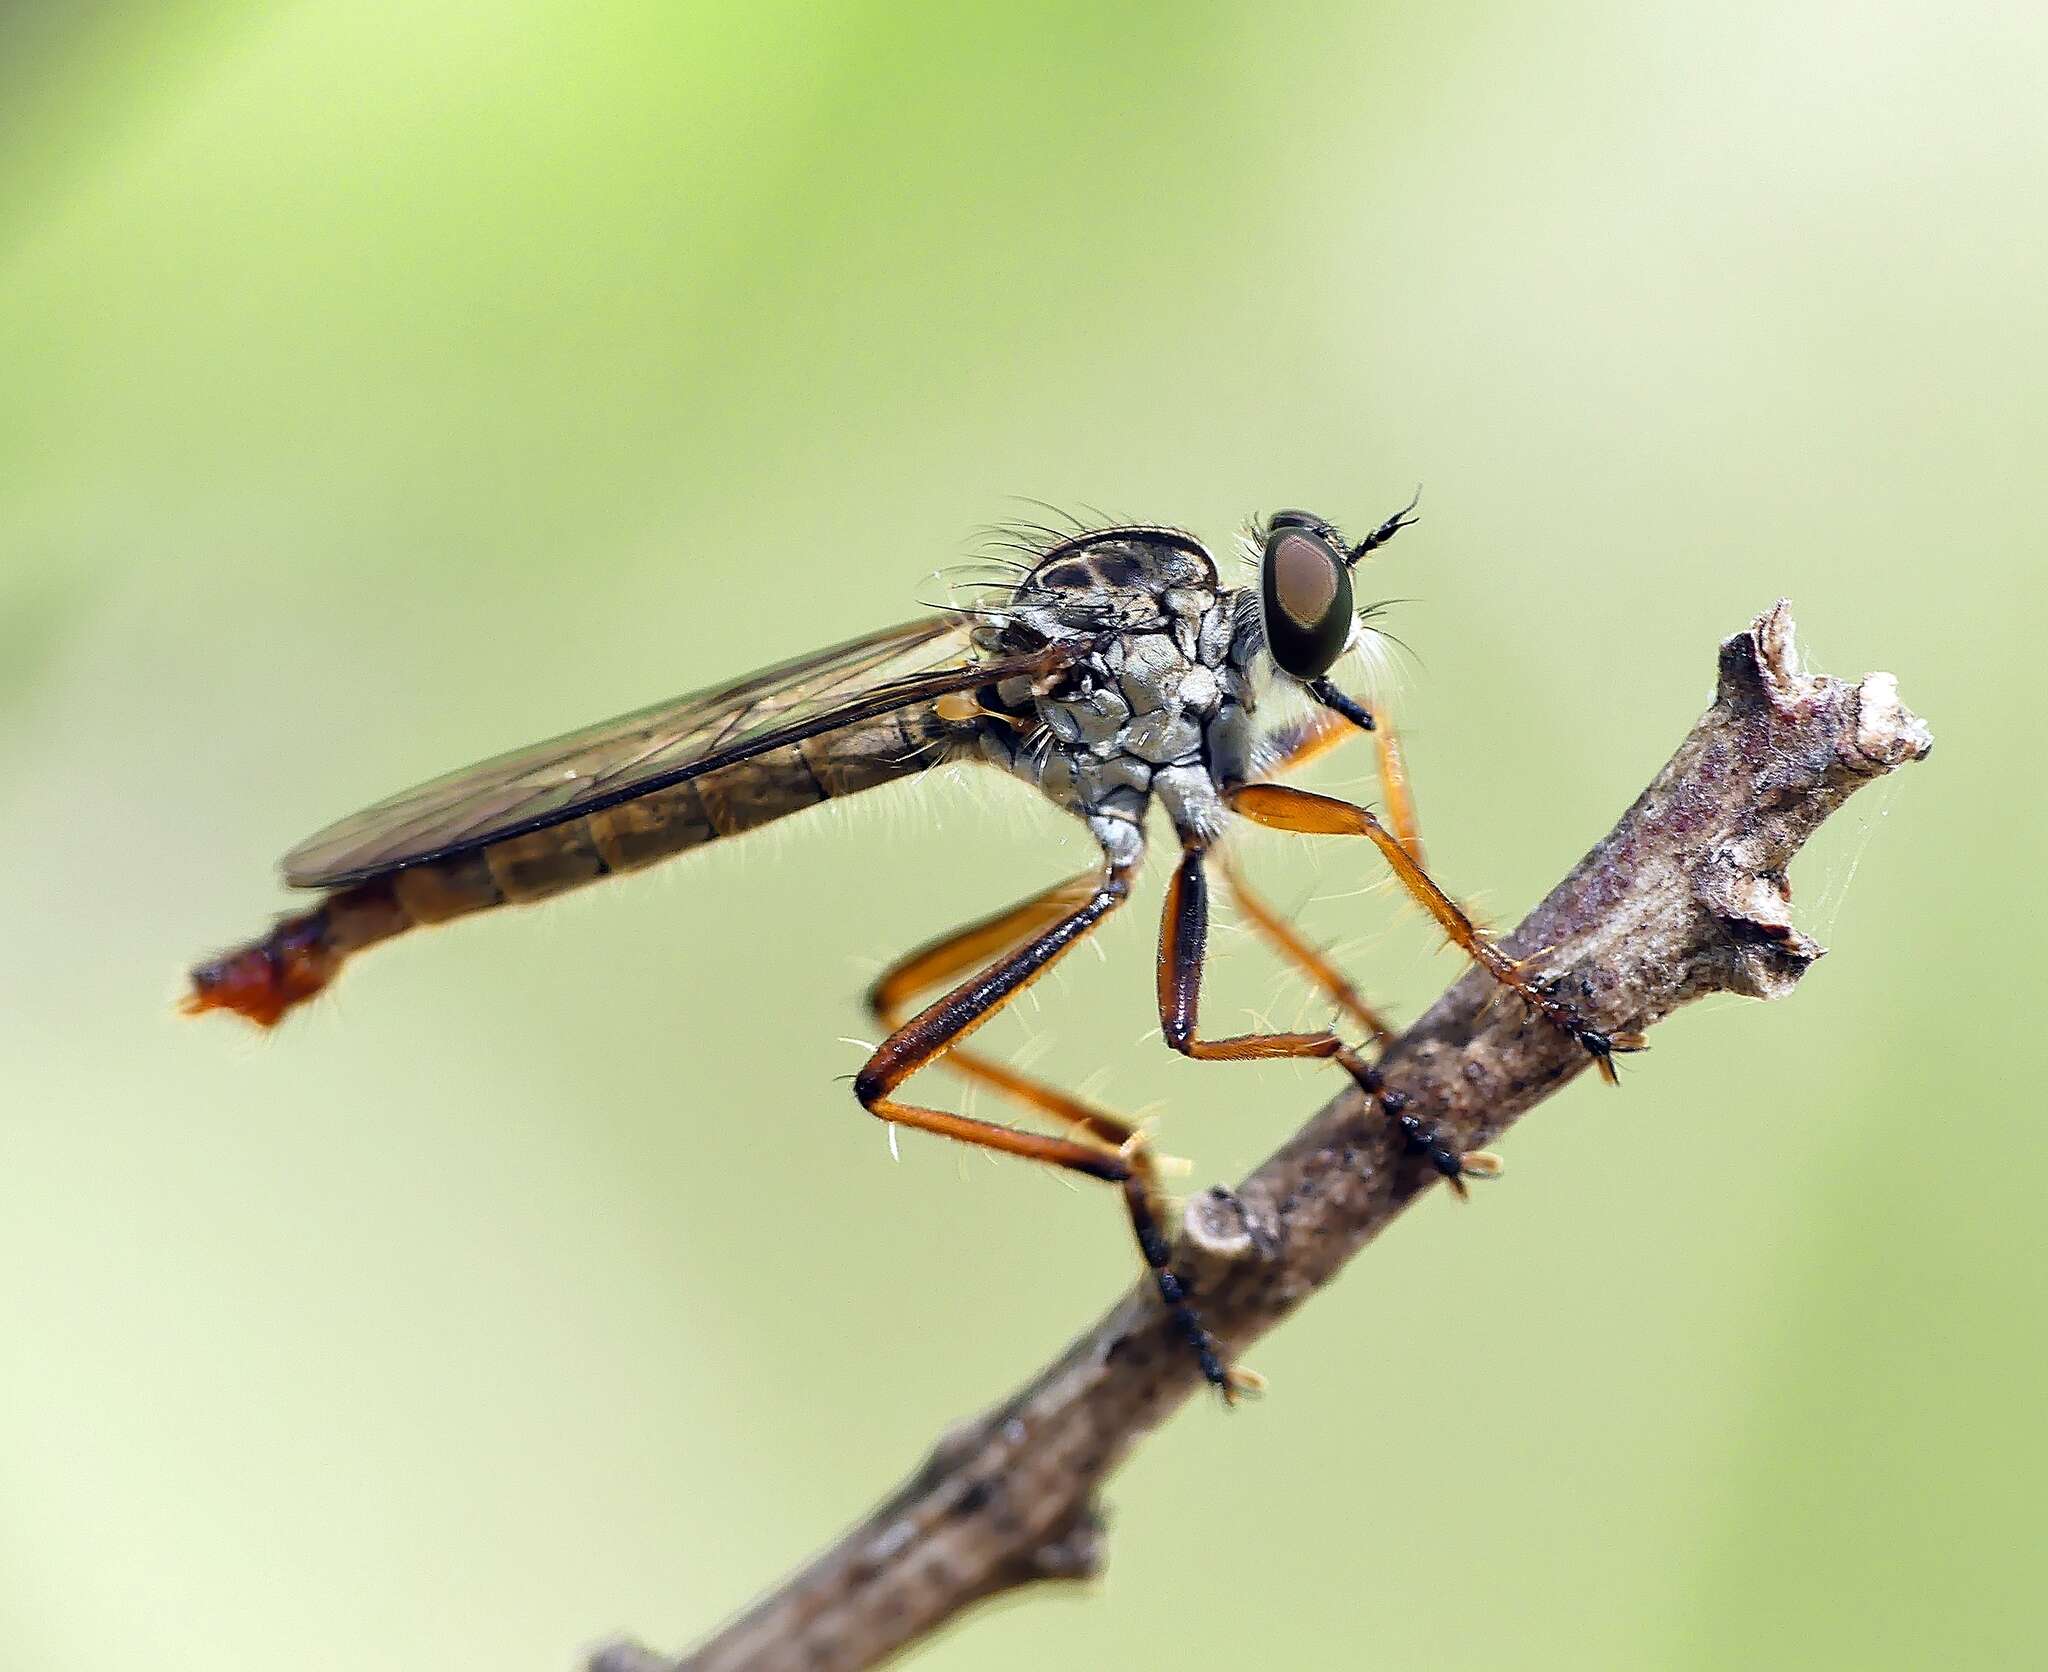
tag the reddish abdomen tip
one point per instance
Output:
(266, 978)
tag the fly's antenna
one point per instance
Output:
(1401, 519)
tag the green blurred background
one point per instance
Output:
(381, 385)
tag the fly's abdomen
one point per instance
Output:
(267, 978)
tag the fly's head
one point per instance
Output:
(1307, 613)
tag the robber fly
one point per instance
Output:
(1113, 671)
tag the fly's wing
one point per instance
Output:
(616, 760)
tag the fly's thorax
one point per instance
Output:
(1098, 585)
(1158, 706)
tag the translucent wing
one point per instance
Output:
(616, 760)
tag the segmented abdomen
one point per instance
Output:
(266, 978)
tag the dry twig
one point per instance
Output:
(1686, 896)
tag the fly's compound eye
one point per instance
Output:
(1305, 587)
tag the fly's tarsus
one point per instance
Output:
(1422, 1139)
(1173, 1291)
(1598, 1043)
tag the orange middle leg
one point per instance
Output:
(1395, 790)
(1289, 942)
(1309, 739)
(1282, 807)
(1183, 945)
